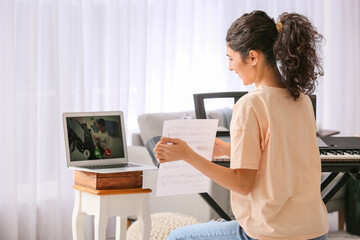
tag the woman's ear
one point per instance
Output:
(253, 57)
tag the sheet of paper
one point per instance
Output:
(180, 177)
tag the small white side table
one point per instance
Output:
(106, 203)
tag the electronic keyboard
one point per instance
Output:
(342, 154)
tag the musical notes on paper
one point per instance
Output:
(180, 177)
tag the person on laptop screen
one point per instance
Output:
(275, 169)
(102, 138)
(89, 139)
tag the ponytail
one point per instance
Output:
(295, 50)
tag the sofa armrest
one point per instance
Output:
(136, 140)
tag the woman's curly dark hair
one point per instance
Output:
(292, 48)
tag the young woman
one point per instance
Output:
(275, 170)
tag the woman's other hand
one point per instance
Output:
(221, 148)
(172, 149)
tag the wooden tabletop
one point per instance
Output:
(113, 191)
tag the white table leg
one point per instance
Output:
(145, 219)
(101, 219)
(78, 218)
(121, 227)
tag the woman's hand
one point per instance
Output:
(237, 180)
(221, 148)
(172, 149)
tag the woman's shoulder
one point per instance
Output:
(248, 103)
(263, 98)
(250, 99)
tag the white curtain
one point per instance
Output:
(339, 90)
(136, 56)
(8, 167)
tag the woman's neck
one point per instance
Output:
(268, 77)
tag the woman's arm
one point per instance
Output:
(221, 148)
(237, 180)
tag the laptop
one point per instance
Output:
(96, 142)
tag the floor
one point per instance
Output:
(334, 234)
(339, 235)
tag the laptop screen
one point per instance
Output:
(94, 137)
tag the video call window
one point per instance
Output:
(95, 138)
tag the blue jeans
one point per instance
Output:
(224, 230)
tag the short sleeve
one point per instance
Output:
(245, 135)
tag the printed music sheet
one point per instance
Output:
(180, 177)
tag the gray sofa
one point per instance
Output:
(150, 125)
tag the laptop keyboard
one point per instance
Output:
(119, 165)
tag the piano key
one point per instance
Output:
(221, 159)
(329, 157)
(325, 156)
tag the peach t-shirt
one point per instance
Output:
(275, 135)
